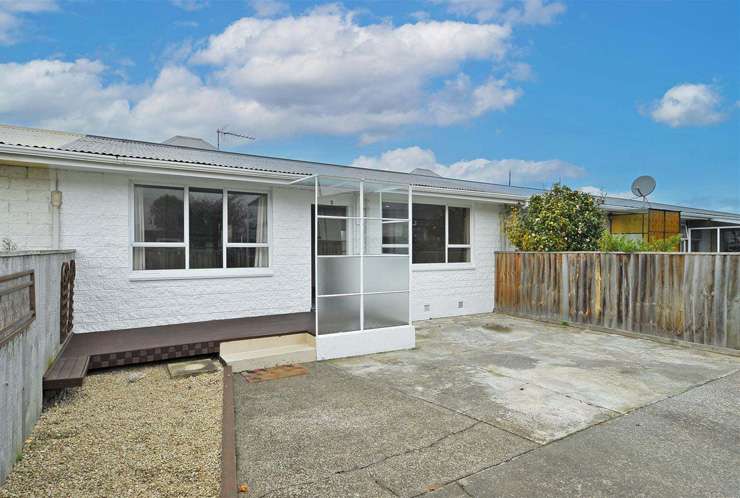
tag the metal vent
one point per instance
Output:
(427, 307)
(459, 304)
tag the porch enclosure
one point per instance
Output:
(362, 260)
(688, 297)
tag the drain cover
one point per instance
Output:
(193, 367)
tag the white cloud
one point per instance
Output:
(688, 105)
(523, 172)
(320, 72)
(511, 12)
(268, 8)
(11, 16)
(190, 5)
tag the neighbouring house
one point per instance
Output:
(181, 233)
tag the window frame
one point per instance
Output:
(446, 264)
(192, 273)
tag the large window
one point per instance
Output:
(441, 234)
(715, 239)
(177, 228)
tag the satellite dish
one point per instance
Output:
(643, 186)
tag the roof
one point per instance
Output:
(175, 151)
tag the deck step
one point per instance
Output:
(266, 352)
(66, 372)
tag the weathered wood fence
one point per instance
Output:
(689, 297)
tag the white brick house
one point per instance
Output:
(103, 197)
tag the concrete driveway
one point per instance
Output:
(490, 405)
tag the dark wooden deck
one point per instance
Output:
(131, 346)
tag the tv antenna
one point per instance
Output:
(223, 132)
(643, 186)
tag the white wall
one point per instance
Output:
(95, 221)
(443, 289)
(25, 209)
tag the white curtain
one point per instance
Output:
(261, 257)
(139, 228)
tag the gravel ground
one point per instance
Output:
(126, 432)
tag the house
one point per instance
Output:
(181, 233)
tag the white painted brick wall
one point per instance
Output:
(95, 222)
(25, 208)
(442, 290)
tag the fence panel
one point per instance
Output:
(689, 297)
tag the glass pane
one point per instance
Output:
(458, 255)
(338, 314)
(334, 237)
(373, 237)
(429, 233)
(386, 310)
(459, 225)
(206, 219)
(396, 250)
(338, 275)
(386, 273)
(340, 192)
(325, 210)
(386, 200)
(159, 258)
(729, 240)
(395, 232)
(246, 257)
(158, 214)
(704, 240)
(247, 215)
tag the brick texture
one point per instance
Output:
(25, 210)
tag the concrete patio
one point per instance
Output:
(490, 405)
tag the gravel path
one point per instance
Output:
(126, 432)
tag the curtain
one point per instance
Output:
(139, 228)
(261, 256)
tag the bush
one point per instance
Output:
(619, 243)
(561, 219)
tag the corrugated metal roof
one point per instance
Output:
(92, 144)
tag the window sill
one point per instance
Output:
(144, 275)
(442, 266)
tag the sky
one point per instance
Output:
(588, 93)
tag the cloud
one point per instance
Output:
(688, 104)
(523, 172)
(510, 12)
(11, 16)
(320, 72)
(190, 5)
(268, 8)
(600, 192)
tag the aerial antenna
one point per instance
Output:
(223, 132)
(643, 186)
(509, 178)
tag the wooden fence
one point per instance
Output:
(689, 297)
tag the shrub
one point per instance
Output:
(619, 243)
(561, 219)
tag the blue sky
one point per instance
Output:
(591, 93)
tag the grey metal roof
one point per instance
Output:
(107, 146)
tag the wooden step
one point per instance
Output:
(266, 352)
(66, 372)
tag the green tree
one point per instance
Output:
(561, 219)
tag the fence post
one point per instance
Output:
(564, 282)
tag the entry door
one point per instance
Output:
(332, 238)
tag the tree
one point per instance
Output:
(561, 219)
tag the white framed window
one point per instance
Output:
(440, 234)
(190, 228)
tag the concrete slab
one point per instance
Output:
(688, 445)
(191, 367)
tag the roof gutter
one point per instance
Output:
(86, 161)
(453, 193)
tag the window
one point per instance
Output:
(441, 234)
(183, 228)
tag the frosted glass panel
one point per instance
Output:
(385, 200)
(386, 273)
(338, 314)
(338, 275)
(386, 310)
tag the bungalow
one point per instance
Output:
(179, 233)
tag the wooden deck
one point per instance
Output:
(142, 345)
